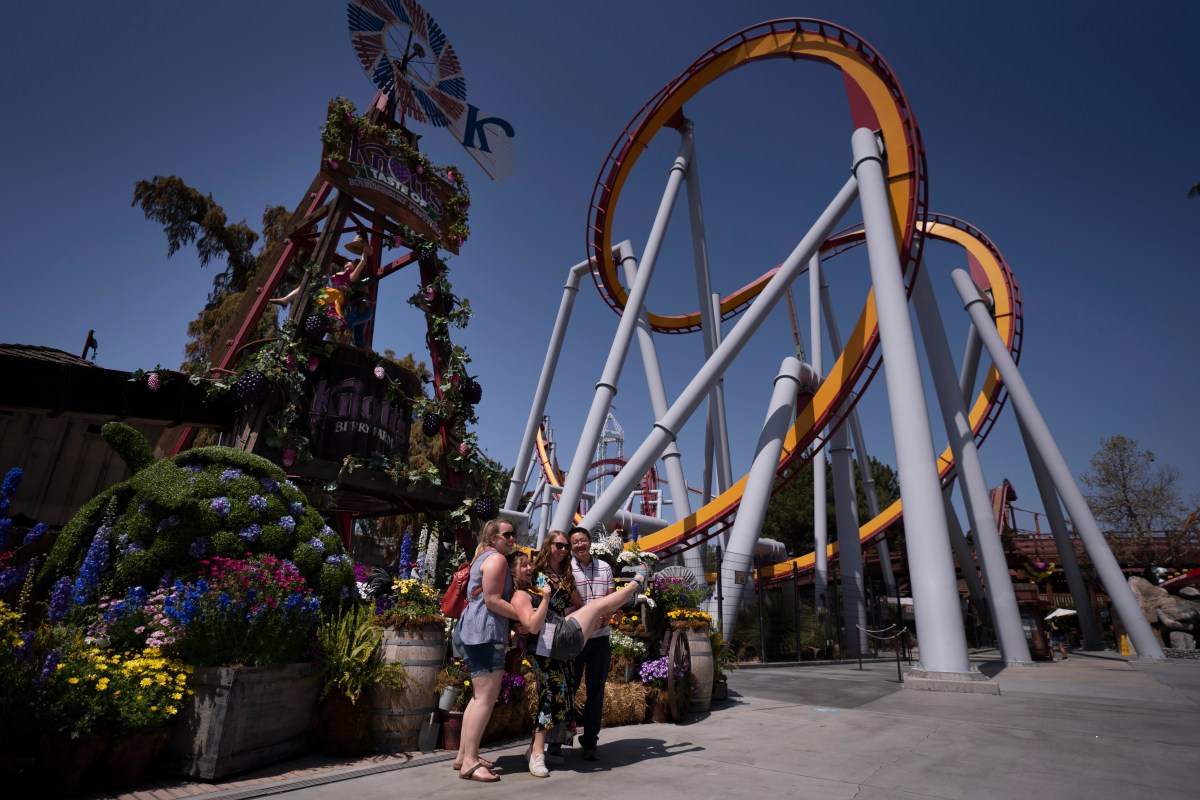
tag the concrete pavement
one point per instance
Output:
(1094, 726)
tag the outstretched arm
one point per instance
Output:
(287, 298)
(531, 619)
(362, 262)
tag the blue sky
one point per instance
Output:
(1065, 132)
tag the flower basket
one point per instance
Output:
(241, 718)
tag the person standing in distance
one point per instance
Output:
(593, 579)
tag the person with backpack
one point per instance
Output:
(483, 631)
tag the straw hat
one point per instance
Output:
(356, 245)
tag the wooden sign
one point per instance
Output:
(369, 170)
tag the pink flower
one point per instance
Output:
(140, 629)
(449, 174)
(289, 457)
(463, 448)
(313, 363)
(290, 362)
(430, 294)
(379, 373)
(153, 382)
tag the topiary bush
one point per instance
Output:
(174, 513)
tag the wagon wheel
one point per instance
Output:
(678, 655)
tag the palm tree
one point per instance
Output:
(1194, 191)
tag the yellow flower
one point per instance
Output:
(102, 684)
(72, 681)
(176, 696)
(466, 683)
(154, 708)
(101, 666)
(147, 682)
(172, 710)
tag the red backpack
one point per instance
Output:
(454, 601)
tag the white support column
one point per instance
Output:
(1002, 600)
(666, 428)
(861, 455)
(854, 604)
(820, 491)
(935, 593)
(606, 388)
(738, 562)
(1106, 565)
(693, 559)
(553, 351)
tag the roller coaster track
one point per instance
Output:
(876, 102)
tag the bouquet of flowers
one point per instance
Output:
(624, 645)
(655, 673)
(688, 618)
(673, 593)
(254, 611)
(633, 555)
(602, 551)
(454, 675)
(410, 603)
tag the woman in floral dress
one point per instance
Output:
(555, 720)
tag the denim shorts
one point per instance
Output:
(484, 658)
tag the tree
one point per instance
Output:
(188, 217)
(789, 516)
(1134, 499)
(1194, 191)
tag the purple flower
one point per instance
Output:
(251, 532)
(291, 485)
(95, 564)
(60, 599)
(316, 544)
(257, 502)
(193, 467)
(231, 475)
(287, 523)
(48, 668)
(221, 506)
(297, 509)
(166, 523)
(37, 532)
(198, 547)
(12, 479)
(269, 485)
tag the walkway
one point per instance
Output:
(1095, 726)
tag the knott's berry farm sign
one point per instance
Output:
(377, 177)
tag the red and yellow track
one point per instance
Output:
(876, 102)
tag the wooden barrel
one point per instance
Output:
(702, 670)
(398, 715)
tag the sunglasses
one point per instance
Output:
(509, 535)
(559, 545)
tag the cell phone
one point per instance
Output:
(541, 581)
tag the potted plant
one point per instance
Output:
(414, 635)
(654, 675)
(352, 663)
(627, 653)
(453, 686)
